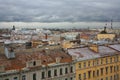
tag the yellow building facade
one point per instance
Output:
(67, 44)
(97, 62)
(103, 68)
(105, 36)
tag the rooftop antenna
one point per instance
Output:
(111, 24)
(106, 24)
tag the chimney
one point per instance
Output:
(9, 52)
(94, 47)
(74, 57)
(46, 36)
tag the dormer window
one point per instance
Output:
(34, 63)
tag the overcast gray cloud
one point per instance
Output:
(59, 10)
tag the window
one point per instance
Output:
(93, 73)
(43, 75)
(115, 77)
(15, 78)
(34, 63)
(61, 71)
(93, 63)
(111, 60)
(117, 67)
(106, 70)
(66, 79)
(97, 72)
(84, 75)
(111, 68)
(79, 65)
(110, 77)
(89, 74)
(23, 77)
(106, 60)
(101, 61)
(106, 78)
(101, 71)
(71, 69)
(66, 70)
(97, 62)
(84, 64)
(55, 72)
(34, 76)
(89, 63)
(49, 73)
(116, 58)
(79, 76)
(101, 78)
(71, 78)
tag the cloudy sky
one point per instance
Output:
(59, 13)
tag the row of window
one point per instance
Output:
(49, 73)
(34, 77)
(114, 77)
(98, 62)
(16, 78)
(99, 72)
(55, 72)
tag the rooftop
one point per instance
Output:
(46, 56)
(86, 53)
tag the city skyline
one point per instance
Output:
(64, 13)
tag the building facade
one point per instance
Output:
(97, 62)
(51, 63)
(56, 72)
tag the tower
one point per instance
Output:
(13, 27)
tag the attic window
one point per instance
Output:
(34, 63)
